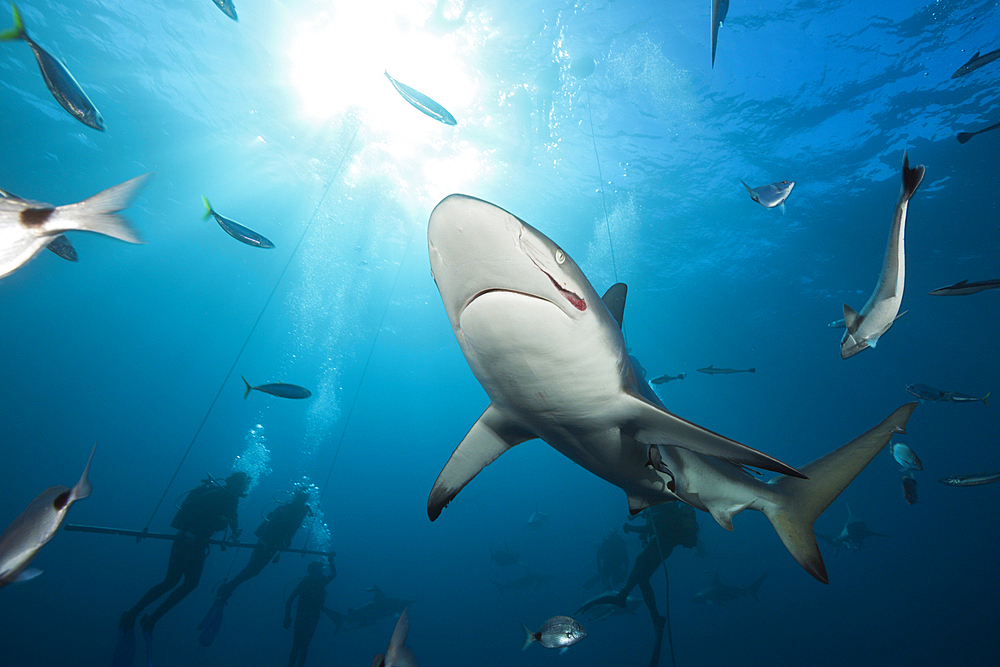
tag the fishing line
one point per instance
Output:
(600, 174)
(256, 322)
(666, 599)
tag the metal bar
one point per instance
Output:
(142, 534)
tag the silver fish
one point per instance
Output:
(235, 229)
(965, 136)
(771, 195)
(906, 457)
(719, 10)
(228, 8)
(26, 227)
(422, 102)
(279, 389)
(837, 324)
(60, 82)
(663, 379)
(909, 489)
(882, 309)
(964, 287)
(59, 245)
(955, 397)
(398, 654)
(38, 523)
(712, 370)
(557, 632)
(971, 480)
(975, 62)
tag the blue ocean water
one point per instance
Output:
(285, 121)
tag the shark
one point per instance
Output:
(853, 535)
(526, 580)
(720, 593)
(865, 328)
(551, 356)
(380, 607)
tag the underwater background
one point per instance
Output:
(285, 121)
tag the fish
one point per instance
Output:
(552, 358)
(719, 10)
(864, 329)
(58, 79)
(422, 103)
(955, 397)
(971, 480)
(909, 489)
(905, 457)
(279, 389)
(504, 557)
(36, 525)
(837, 324)
(380, 607)
(927, 393)
(975, 62)
(663, 379)
(28, 227)
(965, 136)
(398, 654)
(600, 608)
(537, 520)
(235, 229)
(720, 593)
(228, 8)
(557, 632)
(712, 370)
(59, 245)
(964, 287)
(527, 580)
(771, 195)
(853, 535)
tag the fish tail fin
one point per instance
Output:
(755, 586)
(985, 402)
(246, 392)
(18, 31)
(529, 637)
(752, 370)
(911, 178)
(99, 213)
(804, 500)
(749, 189)
(208, 208)
(964, 136)
(82, 488)
(682, 376)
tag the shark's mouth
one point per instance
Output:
(578, 302)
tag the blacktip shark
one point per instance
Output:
(772, 194)
(421, 102)
(719, 10)
(36, 525)
(552, 358)
(852, 535)
(964, 288)
(865, 328)
(712, 370)
(720, 593)
(228, 8)
(26, 227)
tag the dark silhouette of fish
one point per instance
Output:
(975, 62)
(504, 557)
(853, 534)
(909, 489)
(927, 393)
(279, 389)
(663, 379)
(712, 370)
(60, 82)
(421, 102)
(227, 8)
(381, 606)
(235, 229)
(719, 10)
(964, 287)
(720, 593)
(971, 480)
(965, 136)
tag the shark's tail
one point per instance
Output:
(755, 586)
(336, 617)
(805, 499)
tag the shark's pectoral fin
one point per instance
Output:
(653, 425)
(852, 320)
(491, 435)
(636, 504)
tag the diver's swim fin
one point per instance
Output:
(125, 649)
(147, 634)
(210, 625)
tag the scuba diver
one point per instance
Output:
(612, 562)
(207, 509)
(311, 593)
(669, 525)
(274, 533)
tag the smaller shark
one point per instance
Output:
(527, 579)
(964, 287)
(975, 62)
(852, 536)
(504, 557)
(712, 370)
(720, 593)
(398, 654)
(380, 607)
(865, 328)
(663, 379)
(537, 520)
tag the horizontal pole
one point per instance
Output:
(142, 534)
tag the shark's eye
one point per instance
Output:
(560, 257)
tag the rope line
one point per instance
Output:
(600, 174)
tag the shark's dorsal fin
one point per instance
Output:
(491, 435)
(851, 319)
(614, 299)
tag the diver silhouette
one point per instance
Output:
(311, 592)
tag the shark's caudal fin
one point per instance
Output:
(491, 435)
(755, 586)
(828, 475)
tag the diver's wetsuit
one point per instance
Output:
(311, 593)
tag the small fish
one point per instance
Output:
(663, 379)
(771, 195)
(837, 324)
(279, 389)
(909, 489)
(975, 62)
(965, 136)
(235, 229)
(36, 525)
(906, 457)
(712, 370)
(26, 227)
(60, 82)
(964, 287)
(925, 392)
(422, 102)
(955, 397)
(655, 461)
(971, 480)
(60, 245)
(227, 8)
(719, 10)
(398, 654)
(557, 632)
